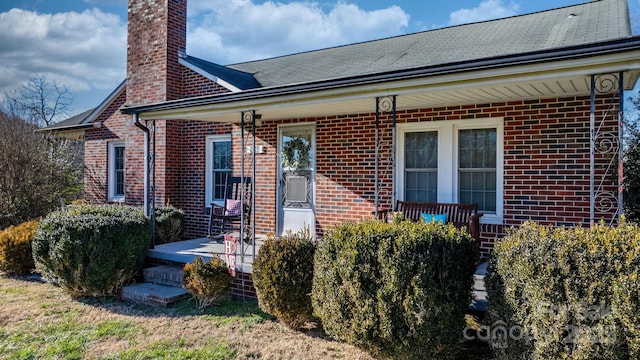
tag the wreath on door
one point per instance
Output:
(295, 153)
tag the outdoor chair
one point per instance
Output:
(228, 217)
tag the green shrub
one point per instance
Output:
(91, 249)
(282, 276)
(398, 290)
(207, 282)
(15, 248)
(566, 293)
(169, 224)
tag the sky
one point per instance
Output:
(81, 44)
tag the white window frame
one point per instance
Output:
(208, 193)
(113, 196)
(448, 159)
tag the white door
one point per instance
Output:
(296, 178)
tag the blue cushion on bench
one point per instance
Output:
(426, 217)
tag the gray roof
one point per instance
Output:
(586, 23)
(71, 122)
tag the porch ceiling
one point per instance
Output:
(481, 86)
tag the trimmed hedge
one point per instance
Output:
(282, 276)
(15, 248)
(169, 224)
(566, 293)
(207, 282)
(91, 249)
(398, 290)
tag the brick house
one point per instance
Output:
(520, 115)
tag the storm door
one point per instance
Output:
(296, 178)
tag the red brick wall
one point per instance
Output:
(546, 162)
(112, 127)
(192, 169)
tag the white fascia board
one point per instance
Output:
(209, 76)
(104, 104)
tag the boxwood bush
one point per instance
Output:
(207, 281)
(169, 224)
(398, 290)
(282, 276)
(566, 293)
(91, 249)
(15, 248)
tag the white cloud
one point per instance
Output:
(81, 51)
(486, 10)
(230, 31)
(86, 51)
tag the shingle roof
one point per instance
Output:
(71, 122)
(585, 23)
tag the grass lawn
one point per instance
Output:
(40, 321)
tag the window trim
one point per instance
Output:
(208, 190)
(448, 159)
(112, 195)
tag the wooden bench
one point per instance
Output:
(460, 215)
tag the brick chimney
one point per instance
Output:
(156, 32)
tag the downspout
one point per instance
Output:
(148, 210)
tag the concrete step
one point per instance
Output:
(153, 294)
(164, 275)
(480, 301)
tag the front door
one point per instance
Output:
(296, 178)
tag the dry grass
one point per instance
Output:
(40, 321)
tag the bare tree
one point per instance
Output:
(40, 101)
(37, 172)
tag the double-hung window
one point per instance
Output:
(218, 167)
(421, 166)
(452, 161)
(477, 157)
(116, 181)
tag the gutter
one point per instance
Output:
(149, 192)
(549, 55)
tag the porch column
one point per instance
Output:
(248, 118)
(385, 104)
(607, 145)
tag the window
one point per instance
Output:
(453, 161)
(116, 181)
(421, 166)
(477, 168)
(218, 167)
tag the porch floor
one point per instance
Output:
(188, 250)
